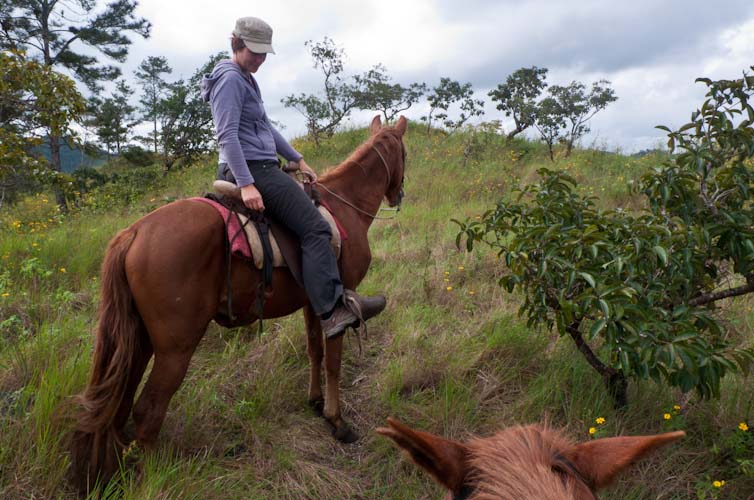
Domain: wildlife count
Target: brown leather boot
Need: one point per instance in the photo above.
(338, 322)
(352, 312)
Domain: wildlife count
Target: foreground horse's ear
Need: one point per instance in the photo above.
(602, 460)
(376, 125)
(444, 459)
(402, 125)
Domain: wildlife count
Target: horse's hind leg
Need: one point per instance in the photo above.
(167, 374)
(333, 356)
(315, 350)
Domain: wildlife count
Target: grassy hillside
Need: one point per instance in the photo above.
(449, 355)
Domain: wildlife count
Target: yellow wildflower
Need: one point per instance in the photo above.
(718, 484)
(62, 269)
(600, 420)
(743, 426)
(6, 294)
(667, 416)
(461, 268)
(676, 407)
(471, 292)
(592, 431)
(449, 288)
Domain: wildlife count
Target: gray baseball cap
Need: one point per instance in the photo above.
(255, 33)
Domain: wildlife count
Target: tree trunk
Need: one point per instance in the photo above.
(57, 167)
(155, 136)
(617, 386)
(615, 381)
(515, 132)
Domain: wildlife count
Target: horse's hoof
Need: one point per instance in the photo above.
(318, 405)
(345, 434)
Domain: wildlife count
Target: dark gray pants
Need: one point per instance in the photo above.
(285, 201)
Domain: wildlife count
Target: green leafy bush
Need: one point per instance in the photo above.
(647, 284)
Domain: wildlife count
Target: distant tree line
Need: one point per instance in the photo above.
(561, 117)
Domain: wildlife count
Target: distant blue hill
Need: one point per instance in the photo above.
(74, 158)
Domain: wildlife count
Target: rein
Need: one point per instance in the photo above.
(389, 179)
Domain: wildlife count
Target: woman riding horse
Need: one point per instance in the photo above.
(163, 282)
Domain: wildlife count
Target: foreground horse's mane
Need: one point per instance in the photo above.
(517, 463)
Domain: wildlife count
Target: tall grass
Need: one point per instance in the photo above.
(449, 355)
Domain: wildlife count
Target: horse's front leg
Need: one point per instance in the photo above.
(333, 353)
(315, 350)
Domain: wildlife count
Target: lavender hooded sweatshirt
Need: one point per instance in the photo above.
(243, 130)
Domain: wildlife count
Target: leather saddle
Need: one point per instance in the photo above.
(284, 245)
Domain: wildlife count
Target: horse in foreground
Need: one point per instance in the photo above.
(164, 279)
(523, 462)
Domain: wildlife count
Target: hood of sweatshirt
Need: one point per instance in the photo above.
(209, 81)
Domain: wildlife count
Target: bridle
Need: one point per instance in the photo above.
(389, 181)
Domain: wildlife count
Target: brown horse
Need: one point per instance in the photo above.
(164, 280)
(523, 462)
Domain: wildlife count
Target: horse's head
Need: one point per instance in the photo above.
(388, 142)
(523, 462)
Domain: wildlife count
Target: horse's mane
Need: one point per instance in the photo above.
(518, 463)
(358, 154)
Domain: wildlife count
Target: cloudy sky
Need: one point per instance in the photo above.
(651, 50)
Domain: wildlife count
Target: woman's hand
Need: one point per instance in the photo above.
(252, 198)
(307, 170)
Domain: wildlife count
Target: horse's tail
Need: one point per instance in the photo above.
(97, 440)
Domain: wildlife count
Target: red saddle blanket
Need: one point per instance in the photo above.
(239, 243)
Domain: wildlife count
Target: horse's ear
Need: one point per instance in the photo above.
(402, 125)
(376, 125)
(444, 459)
(602, 460)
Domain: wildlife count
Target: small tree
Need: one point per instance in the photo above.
(518, 96)
(112, 117)
(376, 92)
(578, 107)
(447, 93)
(33, 99)
(648, 285)
(549, 120)
(323, 115)
(153, 86)
(186, 120)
